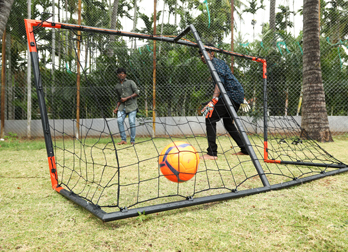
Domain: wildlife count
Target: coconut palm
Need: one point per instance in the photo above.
(272, 15)
(5, 8)
(336, 20)
(314, 115)
(253, 8)
(119, 9)
(283, 18)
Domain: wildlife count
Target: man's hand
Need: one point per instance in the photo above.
(207, 111)
(245, 106)
(115, 110)
(124, 99)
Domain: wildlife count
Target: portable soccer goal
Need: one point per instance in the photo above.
(75, 77)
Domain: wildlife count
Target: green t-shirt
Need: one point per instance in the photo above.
(126, 89)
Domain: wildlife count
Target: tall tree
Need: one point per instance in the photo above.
(335, 25)
(117, 10)
(314, 115)
(272, 15)
(5, 8)
(283, 18)
(253, 8)
(110, 51)
(114, 15)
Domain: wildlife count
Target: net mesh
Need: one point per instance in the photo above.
(85, 132)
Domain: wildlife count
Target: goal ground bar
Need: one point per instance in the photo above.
(127, 213)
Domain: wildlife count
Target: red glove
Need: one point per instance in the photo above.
(207, 111)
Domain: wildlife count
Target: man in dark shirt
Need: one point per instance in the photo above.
(215, 109)
(127, 92)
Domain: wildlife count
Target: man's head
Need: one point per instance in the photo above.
(209, 51)
(121, 73)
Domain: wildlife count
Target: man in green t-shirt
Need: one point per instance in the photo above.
(127, 93)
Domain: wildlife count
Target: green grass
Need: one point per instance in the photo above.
(309, 217)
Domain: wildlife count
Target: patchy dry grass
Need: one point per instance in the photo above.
(309, 217)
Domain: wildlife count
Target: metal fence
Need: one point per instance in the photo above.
(177, 68)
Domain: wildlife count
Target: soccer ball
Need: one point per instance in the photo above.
(179, 161)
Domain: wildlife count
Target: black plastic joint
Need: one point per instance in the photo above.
(53, 170)
(53, 24)
(32, 44)
(189, 198)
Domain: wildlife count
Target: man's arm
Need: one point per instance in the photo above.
(207, 111)
(116, 109)
(216, 91)
(129, 97)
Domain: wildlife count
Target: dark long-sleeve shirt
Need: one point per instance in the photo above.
(232, 86)
(126, 89)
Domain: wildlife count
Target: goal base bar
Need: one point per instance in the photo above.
(127, 213)
(306, 163)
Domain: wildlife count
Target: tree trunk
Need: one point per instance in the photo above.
(176, 5)
(10, 92)
(314, 115)
(113, 27)
(272, 15)
(3, 81)
(135, 24)
(114, 15)
(5, 9)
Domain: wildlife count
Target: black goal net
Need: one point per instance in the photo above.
(148, 158)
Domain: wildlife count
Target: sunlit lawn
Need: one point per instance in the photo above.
(312, 216)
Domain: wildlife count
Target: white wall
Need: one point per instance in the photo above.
(164, 126)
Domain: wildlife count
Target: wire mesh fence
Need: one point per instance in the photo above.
(180, 83)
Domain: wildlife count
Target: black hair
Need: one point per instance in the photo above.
(207, 49)
(210, 45)
(121, 70)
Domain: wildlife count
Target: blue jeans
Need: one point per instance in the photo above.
(121, 116)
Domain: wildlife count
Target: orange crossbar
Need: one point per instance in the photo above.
(29, 24)
(264, 64)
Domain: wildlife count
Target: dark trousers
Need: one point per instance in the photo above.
(220, 112)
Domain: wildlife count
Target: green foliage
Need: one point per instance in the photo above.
(283, 18)
(253, 8)
(13, 142)
(11, 136)
(334, 15)
(142, 217)
(282, 50)
(93, 13)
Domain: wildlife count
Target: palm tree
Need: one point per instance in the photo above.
(272, 15)
(172, 9)
(253, 9)
(5, 9)
(336, 20)
(314, 115)
(283, 18)
(114, 15)
(118, 5)
(135, 19)
(113, 26)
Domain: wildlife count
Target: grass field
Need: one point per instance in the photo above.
(33, 217)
